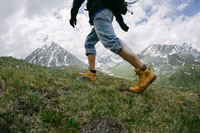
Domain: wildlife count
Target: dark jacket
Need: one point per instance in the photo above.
(92, 6)
(95, 5)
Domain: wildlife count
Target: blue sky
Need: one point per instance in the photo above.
(192, 8)
(187, 8)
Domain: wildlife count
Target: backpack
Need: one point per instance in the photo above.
(120, 6)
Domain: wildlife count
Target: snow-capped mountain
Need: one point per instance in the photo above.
(54, 56)
(162, 50)
(110, 60)
(174, 55)
(106, 61)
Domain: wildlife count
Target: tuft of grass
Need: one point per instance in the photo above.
(52, 117)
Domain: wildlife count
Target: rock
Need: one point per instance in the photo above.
(81, 78)
(104, 125)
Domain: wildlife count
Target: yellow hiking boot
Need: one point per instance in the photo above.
(90, 75)
(145, 79)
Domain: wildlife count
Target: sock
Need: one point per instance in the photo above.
(143, 68)
(93, 71)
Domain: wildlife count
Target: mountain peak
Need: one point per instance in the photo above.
(54, 56)
(53, 44)
(162, 50)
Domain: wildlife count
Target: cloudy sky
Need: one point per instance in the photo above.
(29, 24)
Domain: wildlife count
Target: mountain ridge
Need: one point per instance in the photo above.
(175, 55)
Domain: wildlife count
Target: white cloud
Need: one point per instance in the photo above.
(183, 6)
(26, 26)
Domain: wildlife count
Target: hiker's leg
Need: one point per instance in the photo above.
(90, 43)
(105, 32)
(91, 61)
(127, 54)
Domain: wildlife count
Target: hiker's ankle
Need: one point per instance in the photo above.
(143, 68)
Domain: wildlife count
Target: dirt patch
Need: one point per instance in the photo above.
(104, 125)
(123, 87)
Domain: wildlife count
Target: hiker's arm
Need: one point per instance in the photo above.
(74, 11)
(76, 5)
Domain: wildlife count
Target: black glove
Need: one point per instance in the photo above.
(124, 27)
(73, 22)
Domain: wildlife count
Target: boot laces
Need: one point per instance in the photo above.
(138, 78)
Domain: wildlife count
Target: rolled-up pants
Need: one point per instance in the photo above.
(103, 31)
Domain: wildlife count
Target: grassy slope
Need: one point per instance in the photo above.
(123, 71)
(38, 99)
(183, 77)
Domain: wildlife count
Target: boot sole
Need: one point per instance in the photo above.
(81, 74)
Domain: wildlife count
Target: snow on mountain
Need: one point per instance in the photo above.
(54, 56)
(174, 55)
(162, 50)
(108, 60)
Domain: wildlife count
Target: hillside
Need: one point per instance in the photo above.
(124, 71)
(186, 76)
(41, 99)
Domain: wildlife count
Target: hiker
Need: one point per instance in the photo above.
(101, 13)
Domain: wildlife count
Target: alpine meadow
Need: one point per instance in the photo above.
(41, 99)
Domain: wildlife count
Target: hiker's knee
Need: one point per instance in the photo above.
(89, 49)
(114, 45)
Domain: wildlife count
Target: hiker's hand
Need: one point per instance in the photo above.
(73, 22)
(124, 27)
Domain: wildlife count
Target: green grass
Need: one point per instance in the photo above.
(126, 71)
(183, 77)
(40, 99)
